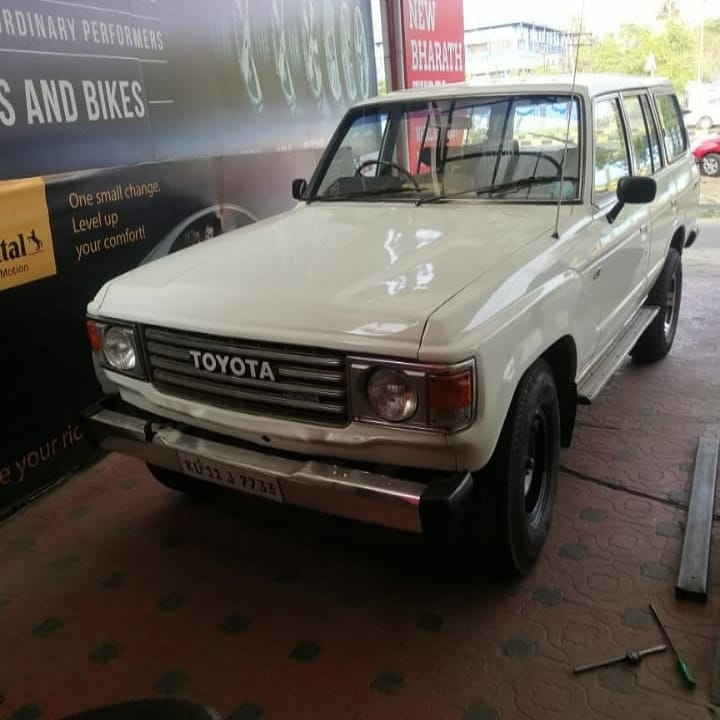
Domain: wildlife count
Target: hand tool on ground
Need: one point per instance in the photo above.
(631, 658)
(683, 669)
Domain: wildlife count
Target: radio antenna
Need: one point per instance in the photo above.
(556, 233)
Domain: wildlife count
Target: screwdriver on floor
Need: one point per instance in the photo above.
(683, 669)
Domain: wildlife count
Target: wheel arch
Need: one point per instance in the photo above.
(678, 241)
(561, 356)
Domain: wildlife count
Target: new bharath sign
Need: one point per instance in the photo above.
(434, 42)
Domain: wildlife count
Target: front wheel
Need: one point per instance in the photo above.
(515, 493)
(655, 343)
(711, 164)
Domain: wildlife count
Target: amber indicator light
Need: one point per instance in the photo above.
(94, 336)
(450, 392)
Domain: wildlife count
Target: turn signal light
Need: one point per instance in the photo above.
(94, 336)
(450, 399)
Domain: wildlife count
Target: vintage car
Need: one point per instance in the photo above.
(407, 346)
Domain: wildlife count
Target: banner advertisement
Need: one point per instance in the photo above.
(433, 42)
(115, 82)
(130, 129)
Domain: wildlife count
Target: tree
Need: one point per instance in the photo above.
(711, 51)
(673, 45)
(668, 10)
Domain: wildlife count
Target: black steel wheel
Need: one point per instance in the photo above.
(655, 343)
(515, 493)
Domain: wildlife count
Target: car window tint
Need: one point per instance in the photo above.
(639, 138)
(671, 122)
(360, 146)
(611, 154)
(654, 134)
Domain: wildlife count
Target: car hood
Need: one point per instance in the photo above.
(344, 275)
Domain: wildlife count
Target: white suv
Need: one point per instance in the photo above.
(408, 345)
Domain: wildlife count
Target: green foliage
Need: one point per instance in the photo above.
(673, 44)
(711, 51)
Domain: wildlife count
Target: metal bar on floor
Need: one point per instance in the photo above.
(693, 573)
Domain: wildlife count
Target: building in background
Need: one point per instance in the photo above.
(516, 48)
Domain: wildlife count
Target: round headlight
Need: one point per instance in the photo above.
(390, 395)
(119, 348)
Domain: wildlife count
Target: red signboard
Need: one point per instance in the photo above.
(434, 42)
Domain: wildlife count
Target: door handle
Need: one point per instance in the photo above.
(643, 229)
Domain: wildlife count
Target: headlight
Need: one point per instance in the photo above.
(118, 344)
(390, 395)
(427, 396)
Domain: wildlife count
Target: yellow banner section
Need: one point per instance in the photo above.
(26, 246)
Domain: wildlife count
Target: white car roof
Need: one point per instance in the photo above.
(587, 84)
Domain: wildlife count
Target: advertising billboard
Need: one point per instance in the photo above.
(130, 129)
(433, 42)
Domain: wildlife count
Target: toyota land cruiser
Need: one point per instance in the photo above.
(408, 345)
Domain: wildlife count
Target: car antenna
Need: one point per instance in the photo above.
(556, 233)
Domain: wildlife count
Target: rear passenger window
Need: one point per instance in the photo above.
(611, 154)
(671, 122)
(654, 136)
(639, 137)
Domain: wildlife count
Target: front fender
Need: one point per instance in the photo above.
(506, 331)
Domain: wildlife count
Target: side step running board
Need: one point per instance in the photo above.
(594, 381)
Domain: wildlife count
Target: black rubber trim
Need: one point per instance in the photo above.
(445, 503)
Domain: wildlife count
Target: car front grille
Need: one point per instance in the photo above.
(248, 376)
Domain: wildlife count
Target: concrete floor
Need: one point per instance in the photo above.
(114, 588)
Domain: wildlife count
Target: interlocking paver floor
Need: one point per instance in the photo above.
(113, 588)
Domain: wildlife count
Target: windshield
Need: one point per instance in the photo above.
(510, 147)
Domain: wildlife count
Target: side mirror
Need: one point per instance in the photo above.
(633, 191)
(299, 186)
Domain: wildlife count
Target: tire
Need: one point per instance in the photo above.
(711, 164)
(704, 123)
(655, 343)
(332, 56)
(346, 38)
(179, 482)
(310, 39)
(515, 493)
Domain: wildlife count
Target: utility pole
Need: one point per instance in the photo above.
(701, 44)
(576, 40)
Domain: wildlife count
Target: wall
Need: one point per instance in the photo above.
(130, 129)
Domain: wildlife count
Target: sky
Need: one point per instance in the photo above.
(600, 17)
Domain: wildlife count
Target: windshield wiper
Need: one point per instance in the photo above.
(520, 184)
(500, 187)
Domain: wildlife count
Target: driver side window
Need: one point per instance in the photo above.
(361, 144)
(610, 150)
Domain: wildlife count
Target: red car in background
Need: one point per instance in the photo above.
(707, 155)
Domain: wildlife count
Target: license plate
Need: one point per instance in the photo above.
(224, 474)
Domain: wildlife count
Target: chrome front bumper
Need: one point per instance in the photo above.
(435, 507)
